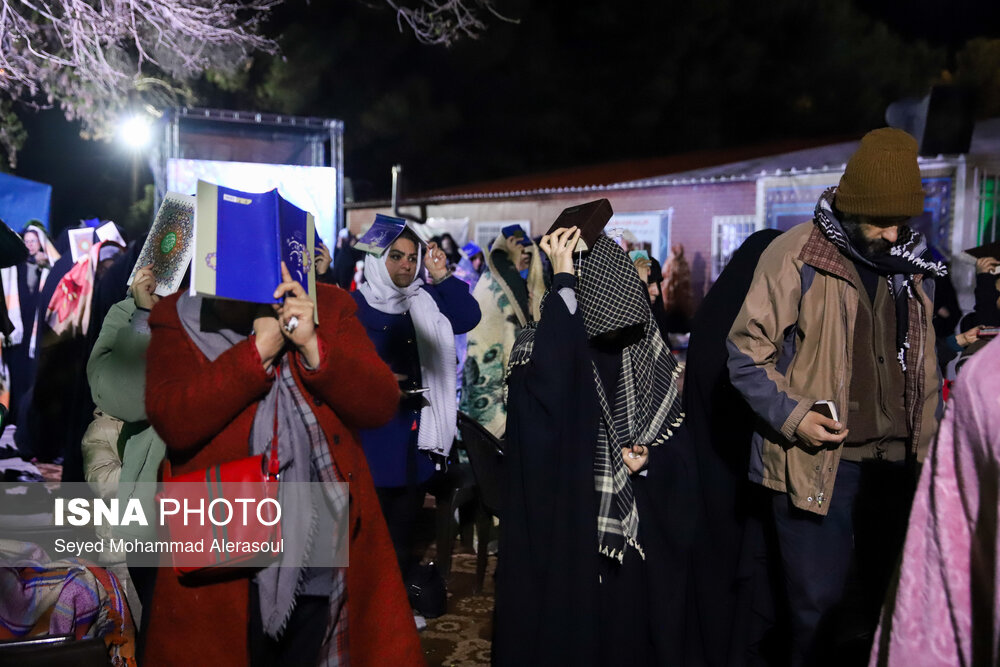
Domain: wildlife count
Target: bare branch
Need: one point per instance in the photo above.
(442, 22)
(97, 56)
(94, 58)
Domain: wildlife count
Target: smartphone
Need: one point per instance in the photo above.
(826, 408)
(987, 332)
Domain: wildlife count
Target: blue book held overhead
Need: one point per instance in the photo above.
(241, 238)
(383, 232)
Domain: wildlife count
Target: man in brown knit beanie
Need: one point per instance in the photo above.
(838, 319)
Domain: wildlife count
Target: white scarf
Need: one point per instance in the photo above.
(435, 347)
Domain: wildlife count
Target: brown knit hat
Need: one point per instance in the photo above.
(882, 179)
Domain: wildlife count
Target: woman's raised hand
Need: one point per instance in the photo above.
(436, 262)
(559, 246)
(144, 288)
(295, 315)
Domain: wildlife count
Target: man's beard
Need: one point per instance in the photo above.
(870, 249)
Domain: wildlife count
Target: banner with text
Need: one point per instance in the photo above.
(189, 526)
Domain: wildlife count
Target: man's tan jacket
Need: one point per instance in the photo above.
(792, 345)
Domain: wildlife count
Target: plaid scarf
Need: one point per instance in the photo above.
(304, 455)
(334, 649)
(646, 405)
(280, 584)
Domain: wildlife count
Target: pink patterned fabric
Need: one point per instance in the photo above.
(40, 597)
(946, 609)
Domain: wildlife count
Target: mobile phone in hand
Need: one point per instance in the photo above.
(988, 332)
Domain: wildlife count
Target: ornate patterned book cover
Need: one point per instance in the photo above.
(170, 243)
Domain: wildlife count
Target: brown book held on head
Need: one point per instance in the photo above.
(590, 218)
(986, 250)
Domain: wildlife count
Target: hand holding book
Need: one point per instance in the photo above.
(241, 240)
(296, 317)
(820, 427)
(559, 246)
(144, 288)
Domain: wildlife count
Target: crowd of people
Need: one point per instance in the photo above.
(773, 479)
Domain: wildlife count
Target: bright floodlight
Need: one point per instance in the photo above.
(134, 131)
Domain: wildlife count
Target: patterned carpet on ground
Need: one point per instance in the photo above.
(461, 638)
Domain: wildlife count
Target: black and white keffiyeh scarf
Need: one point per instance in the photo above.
(905, 259)
(645, 408)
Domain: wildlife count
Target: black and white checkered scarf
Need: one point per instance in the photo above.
(646, 406)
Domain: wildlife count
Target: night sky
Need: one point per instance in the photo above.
(571, 84)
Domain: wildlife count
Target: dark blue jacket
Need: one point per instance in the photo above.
(392, 449)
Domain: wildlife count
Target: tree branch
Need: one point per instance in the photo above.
(97, 57)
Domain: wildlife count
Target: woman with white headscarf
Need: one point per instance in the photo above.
(22, 286)
(413, 324)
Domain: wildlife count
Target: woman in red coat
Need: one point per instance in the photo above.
(211, 363)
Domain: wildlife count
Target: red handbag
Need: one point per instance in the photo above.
(232, 526)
